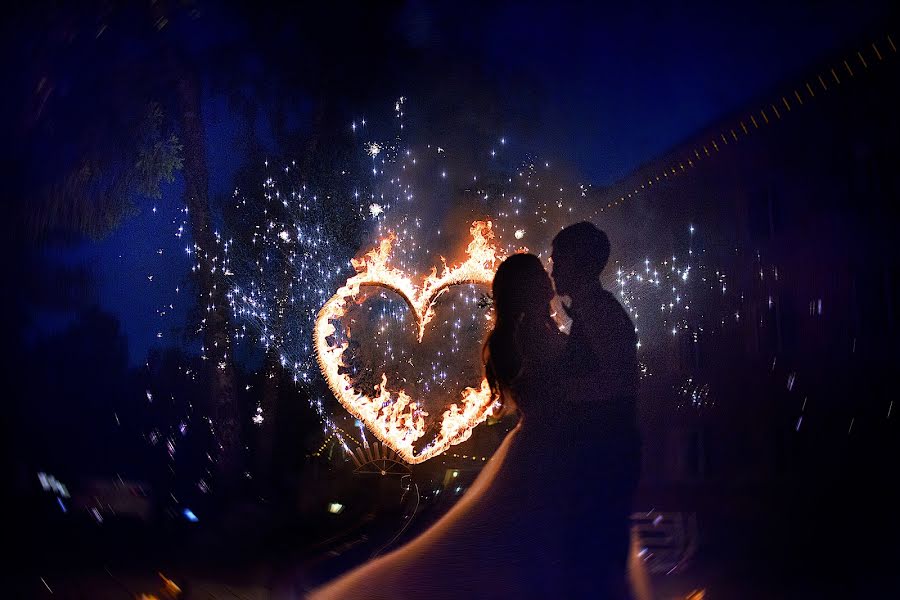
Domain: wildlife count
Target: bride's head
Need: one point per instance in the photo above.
(522, 293)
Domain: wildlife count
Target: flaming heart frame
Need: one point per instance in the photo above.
(393, 416)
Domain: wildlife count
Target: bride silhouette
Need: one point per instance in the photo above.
(502, 539)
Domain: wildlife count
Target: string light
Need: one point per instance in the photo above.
(739, 130)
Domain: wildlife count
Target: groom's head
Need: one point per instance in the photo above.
(580, 253)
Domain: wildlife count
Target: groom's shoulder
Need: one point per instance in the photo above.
(601, 307)
(614, 309)
(611, 303)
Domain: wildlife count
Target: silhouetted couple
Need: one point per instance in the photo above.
(548, 516)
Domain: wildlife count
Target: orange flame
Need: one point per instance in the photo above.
(393, 416)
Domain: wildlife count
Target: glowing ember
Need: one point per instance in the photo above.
(393, 416)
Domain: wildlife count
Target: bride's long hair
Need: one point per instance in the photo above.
(522, 293)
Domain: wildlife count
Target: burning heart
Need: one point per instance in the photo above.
(394, 417)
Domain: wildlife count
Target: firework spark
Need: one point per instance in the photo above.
(293, 290)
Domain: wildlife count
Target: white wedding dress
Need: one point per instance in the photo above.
(502, 539)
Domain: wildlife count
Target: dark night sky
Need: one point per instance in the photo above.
(614, 86)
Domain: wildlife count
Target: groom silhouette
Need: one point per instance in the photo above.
(601, 380)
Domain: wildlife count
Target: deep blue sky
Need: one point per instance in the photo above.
(621, 84)
(613, 87)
